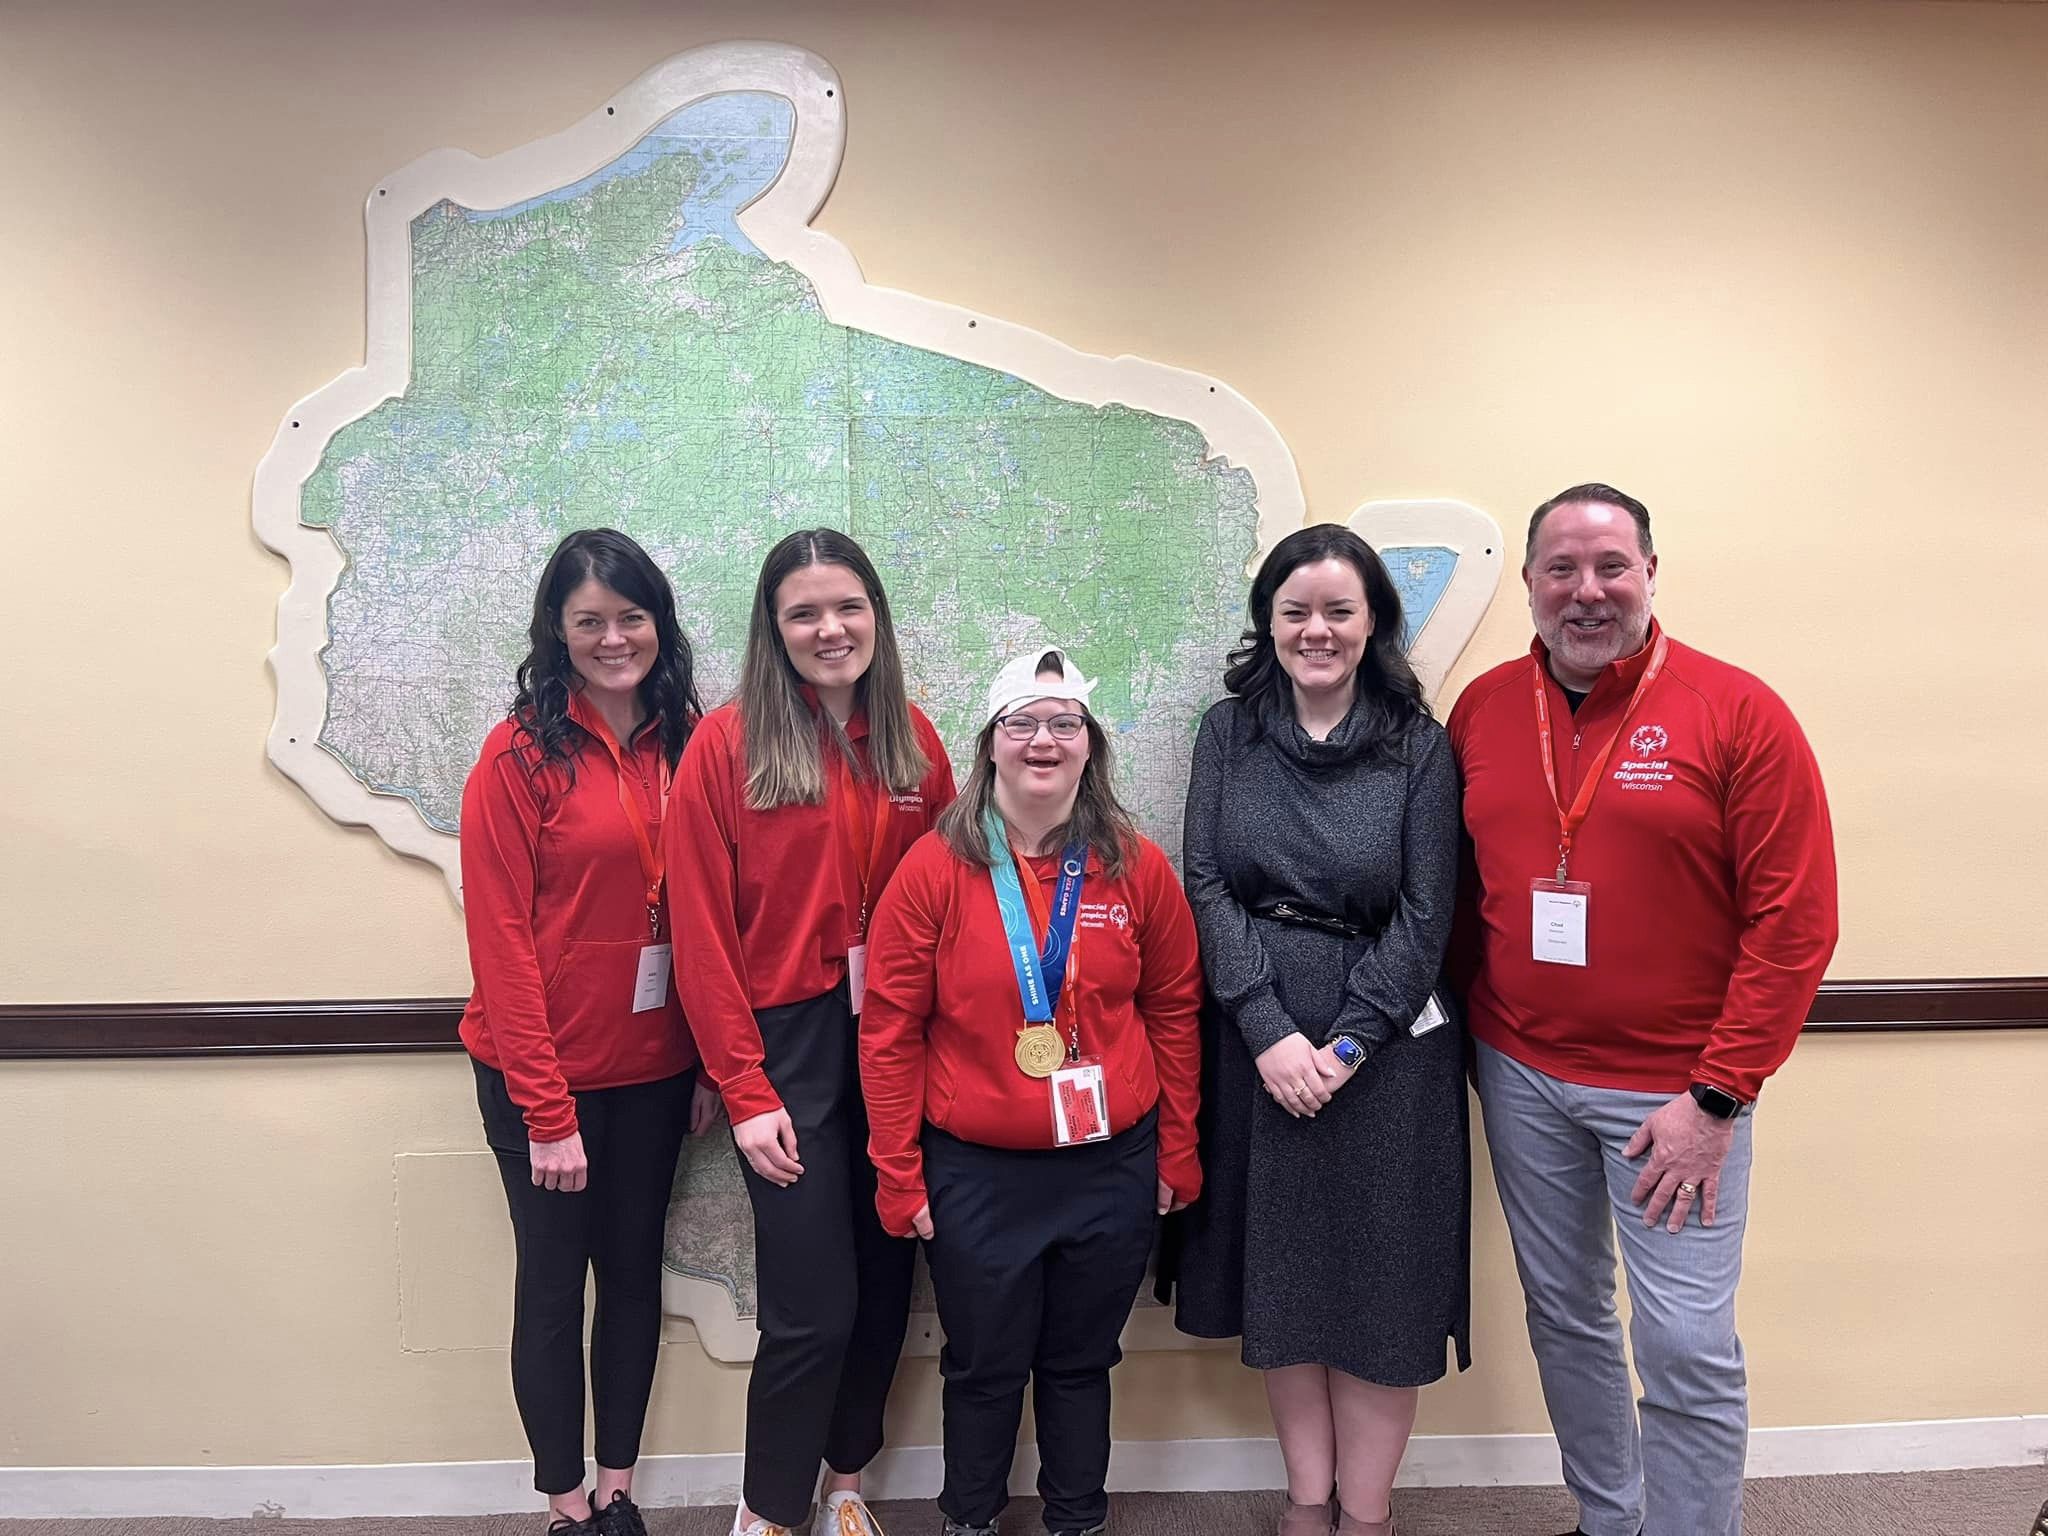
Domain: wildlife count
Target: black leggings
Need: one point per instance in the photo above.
(834, 1287)
(614, 1226)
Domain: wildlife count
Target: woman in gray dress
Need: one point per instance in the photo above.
(1321, 860)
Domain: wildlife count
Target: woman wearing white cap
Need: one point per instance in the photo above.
(1031, 1064)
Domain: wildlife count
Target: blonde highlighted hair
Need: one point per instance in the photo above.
(785, 741)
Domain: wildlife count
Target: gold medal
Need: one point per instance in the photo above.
(1039, 1051)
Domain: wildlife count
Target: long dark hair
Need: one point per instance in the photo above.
(1390, 694)
(785, 762)
(540, 710)
(1098, 818)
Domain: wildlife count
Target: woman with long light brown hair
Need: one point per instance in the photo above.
(791, 809)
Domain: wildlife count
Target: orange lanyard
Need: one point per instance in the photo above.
(865, 826)
(1569, 821)
(646, 836)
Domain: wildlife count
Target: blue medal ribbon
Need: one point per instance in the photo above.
(1040, 974)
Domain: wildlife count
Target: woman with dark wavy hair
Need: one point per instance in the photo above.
(792, 807)
(585, 1070)
(1321, 859)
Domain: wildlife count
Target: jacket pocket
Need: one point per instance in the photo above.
(590, 997)
(941, 1089)
(1135, 1066)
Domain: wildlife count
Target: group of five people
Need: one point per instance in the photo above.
(997, 1022)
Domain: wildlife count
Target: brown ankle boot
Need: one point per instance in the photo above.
(1305, 1520)
(1347, 1526)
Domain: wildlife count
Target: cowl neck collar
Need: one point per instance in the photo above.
(1345, 744)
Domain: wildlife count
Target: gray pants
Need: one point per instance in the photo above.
(1565, 1188)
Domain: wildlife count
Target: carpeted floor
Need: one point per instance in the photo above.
(1998, 1502)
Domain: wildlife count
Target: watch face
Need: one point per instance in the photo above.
(1348, 1051)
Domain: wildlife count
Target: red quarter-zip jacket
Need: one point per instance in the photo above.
(1712, 864)
(766, 903)
(555, 904)
(938, 1040)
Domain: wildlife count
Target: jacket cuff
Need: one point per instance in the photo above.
(552, 1121)
(1365, 1025)
(897, 1205)
(1263, 1022)
(748, 1095)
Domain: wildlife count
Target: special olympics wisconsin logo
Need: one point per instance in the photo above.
(1649, 740)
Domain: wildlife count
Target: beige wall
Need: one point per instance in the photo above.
(1778, 269)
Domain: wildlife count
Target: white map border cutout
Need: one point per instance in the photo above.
(778, 222)
(1469, 534)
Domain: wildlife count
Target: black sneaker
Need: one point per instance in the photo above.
(562, 1525)
(2040, 1527)
(955, 1528)
(1093, 1530)
(621, 1517)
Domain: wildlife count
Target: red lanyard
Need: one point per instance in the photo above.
(646, 835)
(864, 826)
(1569, 821)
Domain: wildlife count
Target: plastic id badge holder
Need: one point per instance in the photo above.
(1080, 1103)
(1558, 911)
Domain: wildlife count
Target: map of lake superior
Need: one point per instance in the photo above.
(618, 352)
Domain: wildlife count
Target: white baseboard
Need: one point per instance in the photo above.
(913, 1472)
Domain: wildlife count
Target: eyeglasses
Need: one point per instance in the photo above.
(1025, 727)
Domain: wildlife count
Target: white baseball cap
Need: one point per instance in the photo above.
(1019, 681)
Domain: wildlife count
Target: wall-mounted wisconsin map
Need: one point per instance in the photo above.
(633, 324)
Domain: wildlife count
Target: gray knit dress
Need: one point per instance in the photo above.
(1341, 1240)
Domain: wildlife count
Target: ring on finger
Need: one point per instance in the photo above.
(1688, 1189)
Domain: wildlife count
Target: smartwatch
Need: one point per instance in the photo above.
(1348, 1051)
(1721, 1105)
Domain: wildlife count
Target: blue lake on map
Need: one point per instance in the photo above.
(1422, 574)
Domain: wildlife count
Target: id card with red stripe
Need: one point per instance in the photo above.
(1080, 1103)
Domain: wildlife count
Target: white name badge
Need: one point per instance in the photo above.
(1431, 1017)
(1557, 920)
(650, 980)
(857, 975)
(1080, 1104)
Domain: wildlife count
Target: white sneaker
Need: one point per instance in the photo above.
(845, 1514)
(756, 1526)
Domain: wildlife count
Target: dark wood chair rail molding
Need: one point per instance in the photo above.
(59, 1031)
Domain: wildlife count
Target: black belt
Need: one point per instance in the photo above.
(1301, 917)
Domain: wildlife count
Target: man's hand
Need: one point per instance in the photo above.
(1687, 1147)
(559, 1165)
(768, 1143)
(1297, 1076)
(921, 1223)
(1167, 1202)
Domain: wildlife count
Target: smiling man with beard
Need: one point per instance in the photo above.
(1651, 910)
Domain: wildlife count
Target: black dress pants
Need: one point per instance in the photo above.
(613, 1227)
(1036, 1258)
(834, 1288)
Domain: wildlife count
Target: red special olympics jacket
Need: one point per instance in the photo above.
(939, 1036)
(1711, 862)
(556, 907)
(766, 903)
